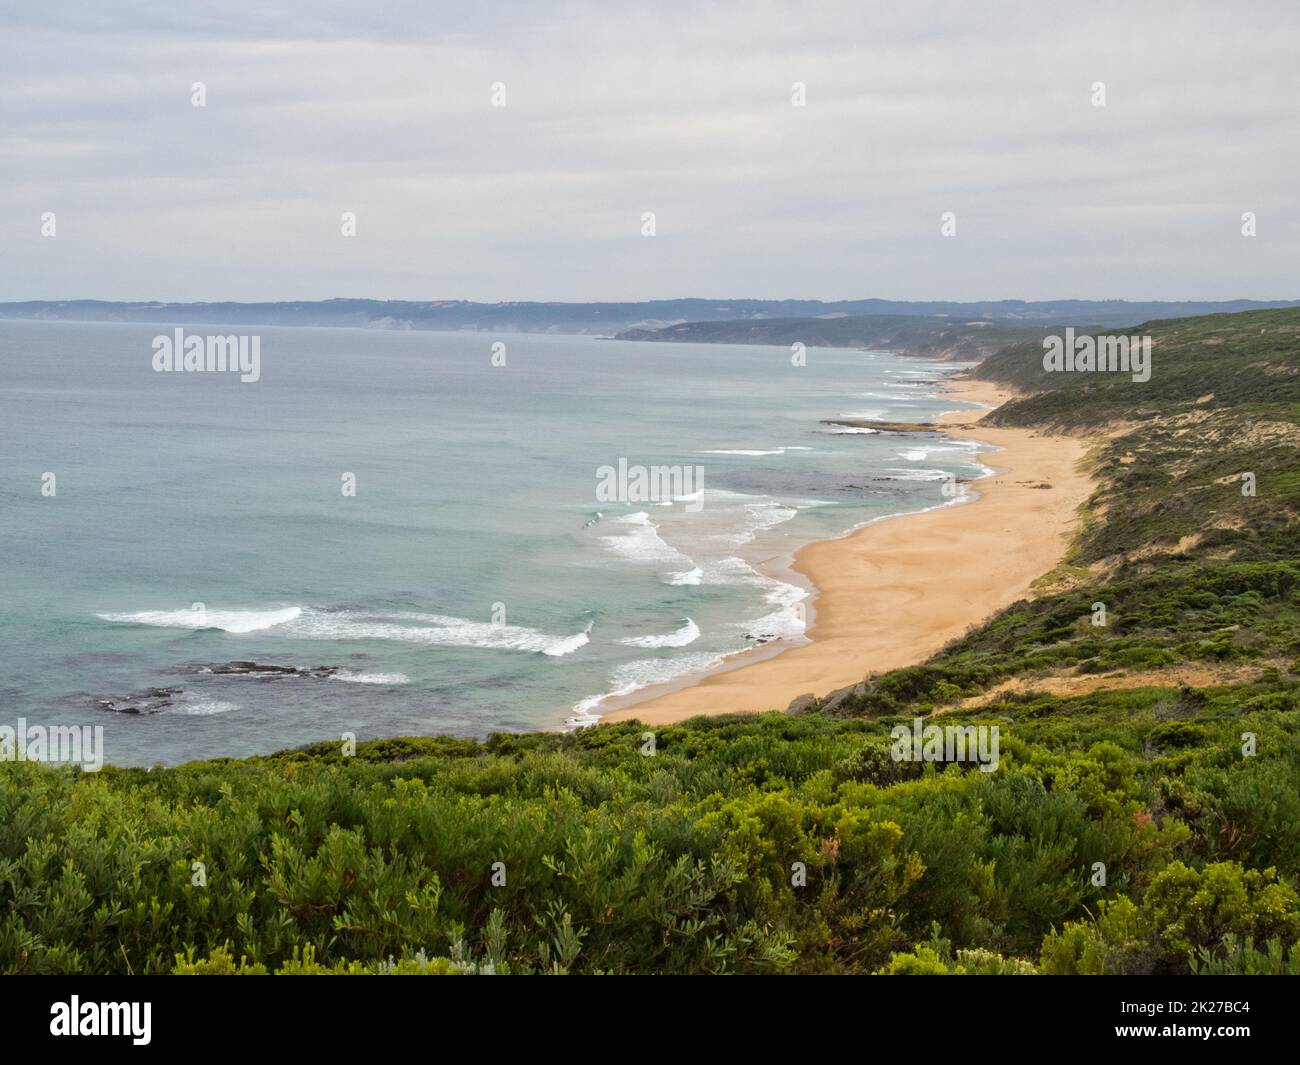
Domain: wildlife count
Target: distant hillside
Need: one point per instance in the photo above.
(1247, 362)
(611, 318)
(935, 337)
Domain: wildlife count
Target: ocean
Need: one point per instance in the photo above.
(412, 524)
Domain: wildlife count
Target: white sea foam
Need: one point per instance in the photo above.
(686, 577)
(734, 518)
(639, 541)
(642, 673)
(744, 451)
(760, 517)
(786, 620)
(729, 570)
(783, 620)
(569, 644)
(407, 627)
(920, 454)
(923, 474)
(435, 629)
(228, 620)
(200, 707)
(900, 392)
(851, 430)
(689, 632)
(370, 678)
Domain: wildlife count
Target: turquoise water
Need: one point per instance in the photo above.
(474, 581)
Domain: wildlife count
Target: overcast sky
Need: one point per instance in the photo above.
(615, 109)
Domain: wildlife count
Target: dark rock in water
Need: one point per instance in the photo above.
(258, 669)
(887, 427)
(153, 700)
(150, 701)
(763, 638)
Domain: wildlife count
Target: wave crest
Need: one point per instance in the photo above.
(688, 633)
(226, 620)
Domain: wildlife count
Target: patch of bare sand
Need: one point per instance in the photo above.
(1066, 685)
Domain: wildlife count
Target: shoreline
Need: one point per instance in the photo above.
(895, 590)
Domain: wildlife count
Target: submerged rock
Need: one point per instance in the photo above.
(150, 701)
(260, 669)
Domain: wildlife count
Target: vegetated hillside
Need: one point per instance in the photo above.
(1192, 540)
(1248, 362)
(1144, 816)
(1223, 401)
(932, 337)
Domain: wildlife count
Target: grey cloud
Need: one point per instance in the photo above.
(682, 109)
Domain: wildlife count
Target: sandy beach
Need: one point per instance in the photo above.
(894, 592)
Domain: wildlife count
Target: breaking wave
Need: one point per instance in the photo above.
(688, 633)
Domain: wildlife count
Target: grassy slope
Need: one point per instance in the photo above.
(617, 860)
